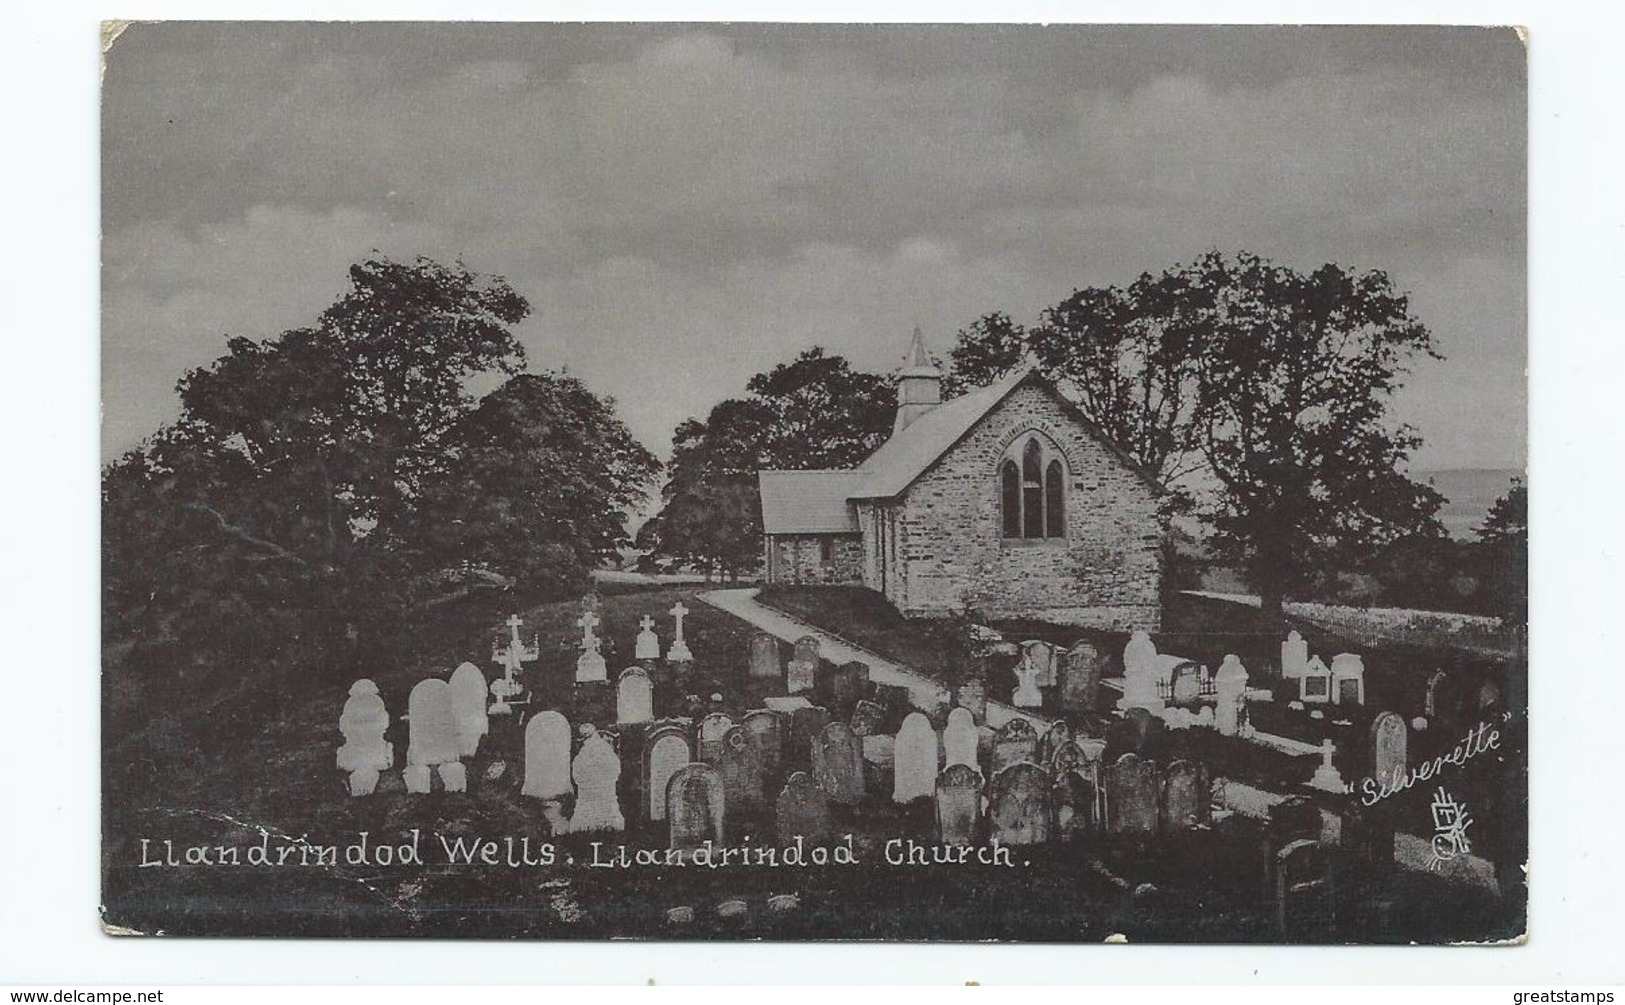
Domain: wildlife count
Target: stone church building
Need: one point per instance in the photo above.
(1005, 499)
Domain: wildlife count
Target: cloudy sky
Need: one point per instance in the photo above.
(685, 206)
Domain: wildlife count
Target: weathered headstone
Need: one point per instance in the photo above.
(741, 770)
(766, 732)
(1229, 696)
(805, 726)
(467, 689)
(1042, 656)
(1072, 801)
(837, 758)
(867, 717)
(432, 730)
(712, 729)
(1303, 889)
(1080, 672)
(1014, 742)
(1434, 704)
(764, 657)
(802, 810)
(596, 771)
(695, 806)
(959, 738)
(803, 666)
(1185, 686)
(547, 756)
(1019, 805)
(959, 804)
(590, 664)
(1348, 679)
(1058, 736)
(1132, 796)
(634, 696)
(1140, 674)
(665, 751)
(1389, 740)
(838, 688)
(914, 760)
(648, 643)
(1294, 656)
(1186, 797)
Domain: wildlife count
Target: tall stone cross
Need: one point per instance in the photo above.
(678, 653)
(515, 656)
(588, 621)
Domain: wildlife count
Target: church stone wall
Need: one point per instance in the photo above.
(1107, 571)
(798, 558)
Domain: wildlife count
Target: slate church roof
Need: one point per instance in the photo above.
(820, 502)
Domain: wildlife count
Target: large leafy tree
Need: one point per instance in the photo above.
(301, 496)
(1503, 546)
(814, 412)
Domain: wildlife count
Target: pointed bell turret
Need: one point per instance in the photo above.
(919, 384)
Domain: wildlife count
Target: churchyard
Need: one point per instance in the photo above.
(581, 769)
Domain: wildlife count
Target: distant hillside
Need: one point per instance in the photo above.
(1468, 492)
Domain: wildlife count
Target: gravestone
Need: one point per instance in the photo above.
(712, 729)
(1230, 696)
(1489, 698)
(1132, 796)
(959, 738)
(972, 696)
(1186, 797)
(1348, 679)
(914, 760)
(802, 810)
(679, 652)
(867, 718)
(634, 697)
(1433, 704)
(1140, 674)
(1315, 686)
(590, 664)
(1185, 686)
(547, 756)
(467, 689)
(1294, 656)
(1014, 742)
(1072, 800)
(1019, 805)
(764, 657)
(596, 771)
(803, 666)
(665, 751)
(805, 726)
(695, 806)
(1388, 748)
(1026, 693)
(766, 732)
(741, 770)
(839, 688)
(837, 759)
(1042, 656)
(1303, 889)
(362, 723)
(1080, 671)
(431, 732)
(959, 805)
(648, 643)
(1058, 736)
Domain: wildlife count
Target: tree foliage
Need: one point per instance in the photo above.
(813, 412)
(320, 483)
(1262, 391)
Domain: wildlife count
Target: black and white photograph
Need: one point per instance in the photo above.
(946, 483)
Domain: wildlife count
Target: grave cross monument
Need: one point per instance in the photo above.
(513, 660)
(678, 653)
(648, 647)
(590, 664)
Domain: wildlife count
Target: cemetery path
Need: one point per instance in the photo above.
(924, 692)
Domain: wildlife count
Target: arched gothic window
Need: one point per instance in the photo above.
(1032, 493)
